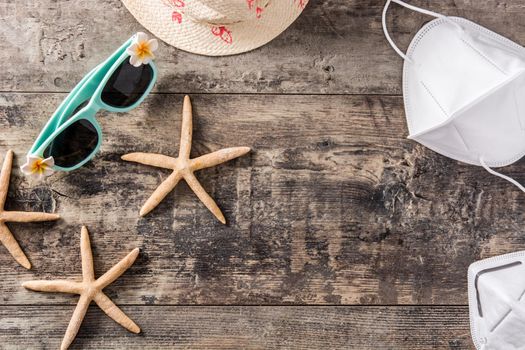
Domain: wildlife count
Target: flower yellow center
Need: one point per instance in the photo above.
(143, 49)
(39, 166)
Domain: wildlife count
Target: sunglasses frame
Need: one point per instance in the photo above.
(89, 90)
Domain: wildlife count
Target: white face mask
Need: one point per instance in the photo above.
(464, 91)
(496, 289)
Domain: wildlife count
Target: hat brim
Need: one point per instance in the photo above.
(209, 40)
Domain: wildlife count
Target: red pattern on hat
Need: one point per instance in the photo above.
(224, 33)
(258, 9)
(301, 3)
(176, 17)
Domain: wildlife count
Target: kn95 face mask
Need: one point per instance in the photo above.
(464, 91)
(496, 289)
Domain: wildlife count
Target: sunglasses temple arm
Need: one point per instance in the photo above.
(58, 117)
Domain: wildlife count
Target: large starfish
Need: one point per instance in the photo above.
(183, 167)
(90, 289)
(6, 237)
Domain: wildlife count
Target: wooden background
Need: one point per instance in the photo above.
(341, 233)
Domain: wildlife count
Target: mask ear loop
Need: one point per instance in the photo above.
(504, 177)
(413, 8)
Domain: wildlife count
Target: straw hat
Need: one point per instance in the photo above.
(216, 27)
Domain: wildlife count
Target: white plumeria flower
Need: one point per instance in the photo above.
(37, 167)
(141, 51)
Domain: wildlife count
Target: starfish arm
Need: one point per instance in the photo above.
(56, 286)
(9, 241)
(153, 159)
(218, 157)
(24, 216)
(88, 273)
(5, 174)
(116, 271)
(203, 196)
(76, 321)
(186, 129)
(160, 193)
(113, 311)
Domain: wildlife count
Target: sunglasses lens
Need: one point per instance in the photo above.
(74, 144)
(127, 85)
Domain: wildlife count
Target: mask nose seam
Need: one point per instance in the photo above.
(446, 115)
(427, 89)
(476, 50)
(519, 109)
(460, 136)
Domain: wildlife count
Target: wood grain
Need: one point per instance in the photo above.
(336, 46)
(234, 327)
(333, 206)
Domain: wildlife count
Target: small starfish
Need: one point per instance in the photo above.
(183, 167)
(89, 290)
(6, 237)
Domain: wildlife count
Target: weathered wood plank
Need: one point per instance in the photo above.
(336, 46)
(169, 327)
(332, 206)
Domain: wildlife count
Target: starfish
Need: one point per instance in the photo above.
(90, 289)
(183, 167)
(6, 237)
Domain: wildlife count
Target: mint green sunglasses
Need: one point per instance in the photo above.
(73, 136)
